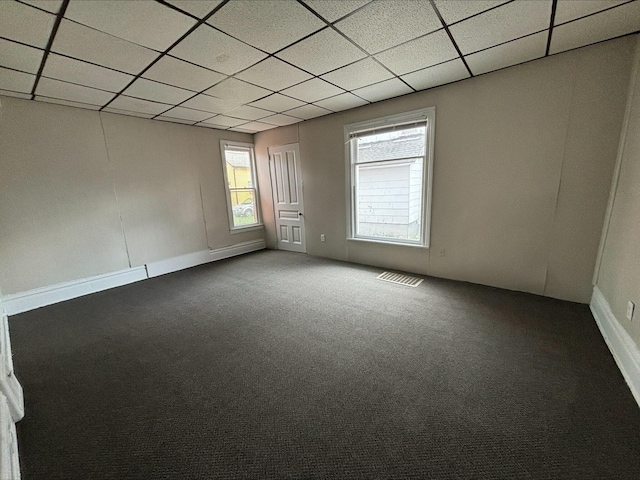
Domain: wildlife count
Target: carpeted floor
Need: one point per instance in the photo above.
(280, 365)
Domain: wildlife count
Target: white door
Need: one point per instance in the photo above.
(286, 185)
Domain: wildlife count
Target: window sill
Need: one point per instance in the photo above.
(386, 242)
(250, 228)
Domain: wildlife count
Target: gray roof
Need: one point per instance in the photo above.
(412, 145)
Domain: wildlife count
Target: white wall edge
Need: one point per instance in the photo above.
(624, 350)
(198, 258)
(41, 297)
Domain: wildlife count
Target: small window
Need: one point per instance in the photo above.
(240, 181)
(390, 163)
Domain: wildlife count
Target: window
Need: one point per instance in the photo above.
(242, 193)
(390, 168)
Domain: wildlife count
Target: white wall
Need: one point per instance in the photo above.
(522, 169)
(84, 193)
(619, 274)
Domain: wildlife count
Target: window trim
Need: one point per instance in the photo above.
(258, 211)
(427, 115)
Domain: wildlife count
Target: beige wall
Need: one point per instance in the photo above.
(522, 170)
(68, 176)
(619, 274)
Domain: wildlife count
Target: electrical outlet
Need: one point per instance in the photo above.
(630, 308)
(442, 252)
(323, 238)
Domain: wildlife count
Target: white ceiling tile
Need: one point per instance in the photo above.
(182, 74)
(198, 8)
(211, 104)
(67, 103)
(127, 112)
(16, 81)
(602, 26)
(382, 25)
(157, 92)
(188, 114)
(323, 51)
(513, 20)
(93, 46)
(237, 90)
(344, 101)
(52, 6)
(82, 73)
(225, 122)
(20, 57)
(277, 103)
(507, 54)
(359, 74)
(217, 51)
(308, 111)
(164, 118)
(268, 24)
(383, 90)
(420, 53)
(313, 90)
(274, 74)
(8, 93)
(25, 24)
(332, 10)
(149, 24)
(438, 75)
(249, 113)
(122, 102)
(257, 126)
(568, 10)
(455, 10)
(280, 120)
(48, 87)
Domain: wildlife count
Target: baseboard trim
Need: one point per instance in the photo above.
(174, 264)
(41, 297)
(623, 348)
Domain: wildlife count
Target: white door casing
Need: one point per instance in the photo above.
(286, 187)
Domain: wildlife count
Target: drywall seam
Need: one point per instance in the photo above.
(555, 211)
(204, 217)
(616, 172)
(115, 192)
(624, 350)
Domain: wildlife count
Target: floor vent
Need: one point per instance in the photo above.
(400, 279)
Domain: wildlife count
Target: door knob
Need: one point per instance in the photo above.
(300, 213)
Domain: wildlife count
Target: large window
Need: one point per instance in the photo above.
(390, 164)
(240, 180)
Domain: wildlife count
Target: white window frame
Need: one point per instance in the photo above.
(229, 145)
(427, 115)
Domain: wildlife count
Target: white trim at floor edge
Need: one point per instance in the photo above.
(624, 350)
(189, 260)
(41, 297)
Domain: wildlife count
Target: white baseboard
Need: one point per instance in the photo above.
(624, 349)
(174, 264)
(41, 297)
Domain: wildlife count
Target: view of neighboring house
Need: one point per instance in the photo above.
(389, 171)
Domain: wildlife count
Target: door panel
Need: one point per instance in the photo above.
(286, 184)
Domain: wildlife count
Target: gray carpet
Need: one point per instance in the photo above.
(279, 365)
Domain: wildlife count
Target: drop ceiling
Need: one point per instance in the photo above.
(253, 65)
